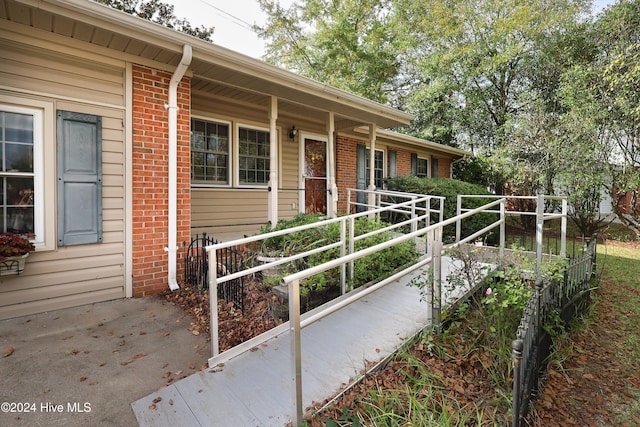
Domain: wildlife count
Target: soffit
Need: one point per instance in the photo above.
(216, 69)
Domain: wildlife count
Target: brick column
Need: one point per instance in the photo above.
(150, 178)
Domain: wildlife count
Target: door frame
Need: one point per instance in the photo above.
(302, 208)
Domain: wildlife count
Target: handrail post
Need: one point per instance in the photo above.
(539, 229)
(343, 252)
(436, 294)
(458, 222)
(516, 357)
(563, 229)
(503, 227)
(213, 302)
(352, 227)
(296, 356)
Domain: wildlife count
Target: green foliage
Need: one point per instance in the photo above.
(347, 44)
(373, 267)
(449, 188)
(160, 13)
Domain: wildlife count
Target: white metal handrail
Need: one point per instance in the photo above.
(292, 281)
(345, 244)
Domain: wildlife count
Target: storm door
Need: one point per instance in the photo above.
(315, 176)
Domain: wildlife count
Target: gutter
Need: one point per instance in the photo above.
(172, 219)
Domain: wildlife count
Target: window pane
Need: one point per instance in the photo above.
(19, 157)
(18, 127)
(253, 161)
(16, 156)
(17, 202)
(209, 152)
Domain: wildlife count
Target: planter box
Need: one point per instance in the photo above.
(13, 265)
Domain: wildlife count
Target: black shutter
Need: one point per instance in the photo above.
(79, 178)
(414, 164)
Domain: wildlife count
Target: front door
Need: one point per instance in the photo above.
(315, 175)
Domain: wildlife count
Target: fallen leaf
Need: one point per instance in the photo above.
(177, 373)
(196, 333)
(143, 333)
(67, 338)
(8, 352)
(166, 374)
(83, 379)
(157, 399)
(153, 407)
(139, 355)
(171, 402)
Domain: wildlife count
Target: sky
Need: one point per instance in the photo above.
(233, 20)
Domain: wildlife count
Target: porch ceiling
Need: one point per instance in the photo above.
(221, 71)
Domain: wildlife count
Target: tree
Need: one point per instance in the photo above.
(347, 43)
(479, 55)
(160, 13)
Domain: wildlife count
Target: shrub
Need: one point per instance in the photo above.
(450, 188)
(373, 267)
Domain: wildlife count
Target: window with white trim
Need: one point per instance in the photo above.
(210, 152)
(253, 156)
(423, 168)
(20, 141)
(378, 168)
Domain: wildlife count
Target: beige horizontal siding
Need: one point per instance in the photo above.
(72, 275)
(38, 70)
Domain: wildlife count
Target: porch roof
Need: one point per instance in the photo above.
(214, 68)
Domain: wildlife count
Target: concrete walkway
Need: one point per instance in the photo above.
(83, 366)
(255, 388)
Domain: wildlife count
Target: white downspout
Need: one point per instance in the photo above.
(172, 106)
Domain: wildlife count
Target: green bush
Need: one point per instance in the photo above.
(450, 188)
(373, 267)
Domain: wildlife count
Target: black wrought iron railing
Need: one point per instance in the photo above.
(229, 260)
(566, 298)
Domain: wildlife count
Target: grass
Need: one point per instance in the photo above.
(621, 265)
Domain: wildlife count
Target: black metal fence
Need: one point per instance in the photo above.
(567, 299)
(229, 260)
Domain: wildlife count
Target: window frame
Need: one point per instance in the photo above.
(43, 162)
(231, 154)
(382, 168)
(426, 162)
(236, 172)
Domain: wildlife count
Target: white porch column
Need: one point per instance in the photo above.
(272, 204)
(332, 197)
(371, 199)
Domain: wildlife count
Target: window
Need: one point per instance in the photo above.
(378, 168)
(253, 156)
(423, 168)
(209, 152)
(19, 140)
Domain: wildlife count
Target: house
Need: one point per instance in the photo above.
(127, 138)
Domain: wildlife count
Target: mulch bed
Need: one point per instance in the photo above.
(234, 326)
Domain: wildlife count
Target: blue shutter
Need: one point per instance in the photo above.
(393, 164)
(361, 175)
(79, 178)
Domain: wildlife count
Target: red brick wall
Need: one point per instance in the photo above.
(150, 178)
(345, 168)
(403, 159)
(444, 168)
